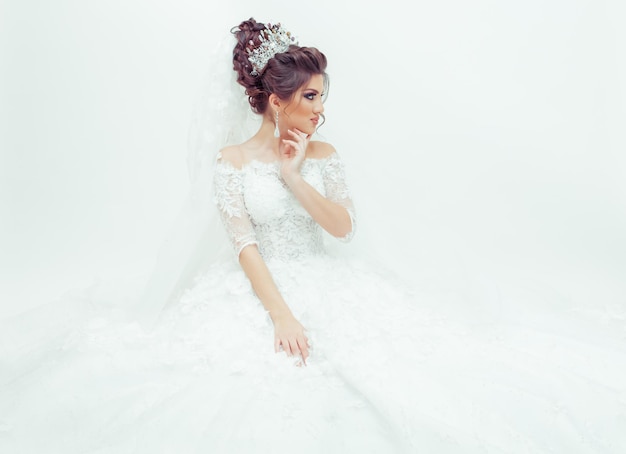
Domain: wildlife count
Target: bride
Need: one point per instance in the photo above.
(290, 348)
(302, 180)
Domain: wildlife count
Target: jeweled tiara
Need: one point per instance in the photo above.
(274, 40)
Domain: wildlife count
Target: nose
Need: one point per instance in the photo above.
(318, 108)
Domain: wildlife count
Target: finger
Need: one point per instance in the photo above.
(291, 143)
(293, 347)
(288, 145)
(304, 349)
(306, 137)
(301, 137)
(285, 347)
(295, 132)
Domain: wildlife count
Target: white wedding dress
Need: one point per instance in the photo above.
(387, 372)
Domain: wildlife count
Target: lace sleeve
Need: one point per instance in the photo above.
(337, 189)
(228, 193)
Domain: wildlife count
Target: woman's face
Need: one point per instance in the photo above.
(303, 112)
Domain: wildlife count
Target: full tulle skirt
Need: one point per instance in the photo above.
(389, 372)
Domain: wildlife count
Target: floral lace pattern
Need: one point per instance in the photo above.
(257, 207)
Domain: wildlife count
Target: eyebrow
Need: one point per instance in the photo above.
(311, 89)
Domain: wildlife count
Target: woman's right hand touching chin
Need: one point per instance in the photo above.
(289, 334)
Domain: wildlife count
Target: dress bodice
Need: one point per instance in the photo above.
(257, 206)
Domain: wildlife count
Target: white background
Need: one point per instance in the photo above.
(497, 129)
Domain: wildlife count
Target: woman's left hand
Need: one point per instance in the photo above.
(292, 154)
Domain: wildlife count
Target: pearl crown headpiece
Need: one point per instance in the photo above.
(274, 40)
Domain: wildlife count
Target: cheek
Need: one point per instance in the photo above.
(296, 117)
(303, 111)
(300, 115)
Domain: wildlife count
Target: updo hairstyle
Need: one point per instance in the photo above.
(283, 75)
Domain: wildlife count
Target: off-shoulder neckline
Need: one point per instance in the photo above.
(257, 163)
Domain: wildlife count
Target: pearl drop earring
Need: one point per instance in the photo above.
(276, 130)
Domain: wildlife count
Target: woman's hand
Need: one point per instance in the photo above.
(289, 334)
(292, 154)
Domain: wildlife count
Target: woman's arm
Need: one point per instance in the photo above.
(331, 216)
(288, 332)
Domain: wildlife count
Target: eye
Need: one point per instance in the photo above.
(310, 96)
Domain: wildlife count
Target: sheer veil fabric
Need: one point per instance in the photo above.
(221, 117)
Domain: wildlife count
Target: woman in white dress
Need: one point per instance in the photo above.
(292, 349)
(286, 88)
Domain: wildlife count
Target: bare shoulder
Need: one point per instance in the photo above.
(319, 150)
(233, 155)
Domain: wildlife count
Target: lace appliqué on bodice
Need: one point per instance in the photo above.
(257, 207)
